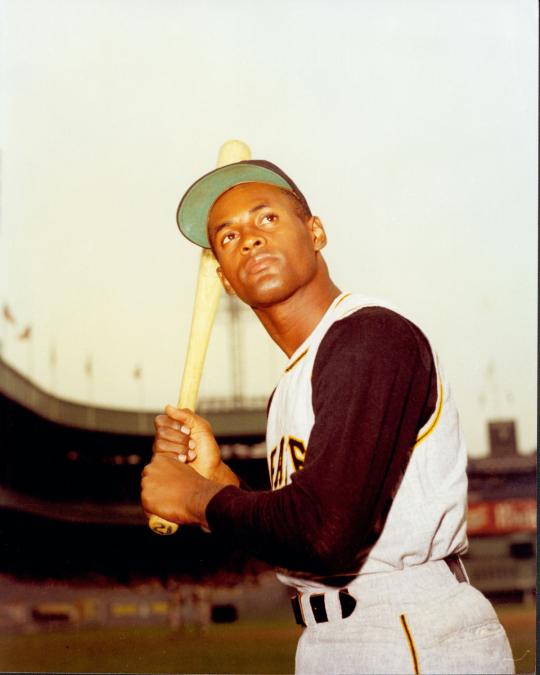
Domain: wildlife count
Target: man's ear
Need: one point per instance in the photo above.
(318, 233)
(226, 285)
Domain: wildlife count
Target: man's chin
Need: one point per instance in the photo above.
(264, 299)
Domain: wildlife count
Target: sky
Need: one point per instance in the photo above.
(410, 127)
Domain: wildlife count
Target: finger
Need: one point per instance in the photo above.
(173, 435)
(182, 454)
(167, 422)
(186, 457)
(163, 446)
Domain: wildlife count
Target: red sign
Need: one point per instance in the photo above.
(502, 516)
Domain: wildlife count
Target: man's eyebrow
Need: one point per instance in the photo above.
(229, 222)
(220, 227)
(258, 208)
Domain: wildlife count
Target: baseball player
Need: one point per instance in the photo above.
(366, 516)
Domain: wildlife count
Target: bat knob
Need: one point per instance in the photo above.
(161, 526)
(233, 151)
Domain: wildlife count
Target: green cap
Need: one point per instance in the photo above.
(193, 210)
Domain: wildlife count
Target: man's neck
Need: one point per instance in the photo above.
(292, 321)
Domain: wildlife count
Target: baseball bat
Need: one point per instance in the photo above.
(204, 311)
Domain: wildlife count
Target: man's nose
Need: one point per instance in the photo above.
(252, 241)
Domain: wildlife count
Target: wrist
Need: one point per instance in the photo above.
(201, 499)
(223, 475)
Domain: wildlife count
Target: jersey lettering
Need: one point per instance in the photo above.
(279, 471)
(272, 464)
(298, 452)
(280, 468)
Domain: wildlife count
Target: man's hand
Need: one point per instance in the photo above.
(176, 492)
(187, 437)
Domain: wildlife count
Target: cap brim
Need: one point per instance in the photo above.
(192, 213)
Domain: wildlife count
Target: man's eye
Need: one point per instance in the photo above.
(227, 238)
(269, 218)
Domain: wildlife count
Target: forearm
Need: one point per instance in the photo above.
(307, 526)
(276, 527)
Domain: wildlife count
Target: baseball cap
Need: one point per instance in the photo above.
(195, 205)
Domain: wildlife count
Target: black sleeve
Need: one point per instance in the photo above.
(374, 387)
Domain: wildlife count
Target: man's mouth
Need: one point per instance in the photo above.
(258, 263)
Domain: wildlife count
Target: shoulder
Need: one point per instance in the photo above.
(374, 331)
(369, 323)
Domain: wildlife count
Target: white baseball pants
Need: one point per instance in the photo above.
(419, 620)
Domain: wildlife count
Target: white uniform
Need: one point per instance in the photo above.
(404, 571)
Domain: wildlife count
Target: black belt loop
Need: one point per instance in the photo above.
(456, 567)
(318, 607)
(297, 610)
(347, 602)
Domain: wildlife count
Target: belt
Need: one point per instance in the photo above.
(318, 606)
(348, 603)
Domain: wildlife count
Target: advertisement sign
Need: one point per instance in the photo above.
(501, 516)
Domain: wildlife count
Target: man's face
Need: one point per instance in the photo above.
(265, 250)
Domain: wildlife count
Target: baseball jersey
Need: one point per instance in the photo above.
(426, 519)
(365, 456)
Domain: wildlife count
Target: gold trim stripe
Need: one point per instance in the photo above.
(435, 419)
(411, 644)
(342, 298)
(299, 358)
(296, 360)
